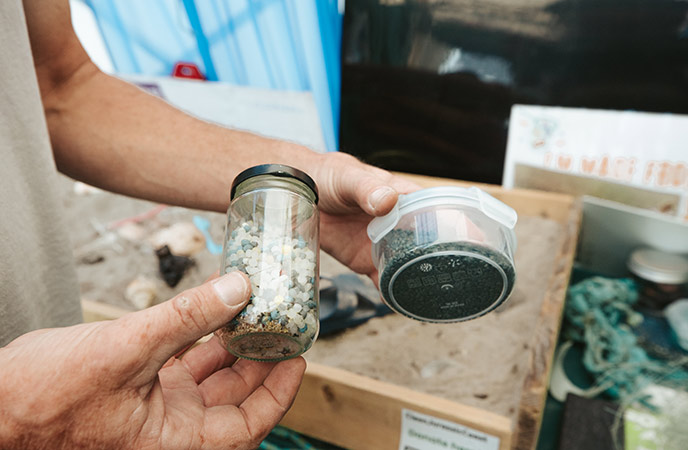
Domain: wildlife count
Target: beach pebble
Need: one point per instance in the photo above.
(141, 292)
(182, 238)
(132, 231)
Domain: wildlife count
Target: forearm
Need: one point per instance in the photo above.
(113, 135)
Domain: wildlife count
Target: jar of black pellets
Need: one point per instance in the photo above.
(272, 236)
(445, 254)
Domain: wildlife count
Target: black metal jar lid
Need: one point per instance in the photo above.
(277, 170)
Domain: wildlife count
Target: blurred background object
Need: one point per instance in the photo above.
(285, 45)
(428, 85)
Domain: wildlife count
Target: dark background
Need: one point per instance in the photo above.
(427, 86)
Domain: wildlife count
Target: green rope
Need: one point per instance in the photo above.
(599, 315)
(281, 438)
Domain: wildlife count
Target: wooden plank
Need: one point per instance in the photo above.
(527, 202)
(358, 412)
(543, 343)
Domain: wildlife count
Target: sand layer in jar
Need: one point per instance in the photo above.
(270, 342)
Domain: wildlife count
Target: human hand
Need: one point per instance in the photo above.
(118, 385)
(351, 192)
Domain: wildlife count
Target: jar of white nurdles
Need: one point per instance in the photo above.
(272, 236)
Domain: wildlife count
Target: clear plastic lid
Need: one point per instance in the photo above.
(441, 196)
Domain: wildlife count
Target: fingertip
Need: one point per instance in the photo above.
(285, 380)
(295, 366)
(232, 288)
(382, 200)
(290, 369)
(300, 364)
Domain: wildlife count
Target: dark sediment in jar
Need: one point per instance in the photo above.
(463, 280)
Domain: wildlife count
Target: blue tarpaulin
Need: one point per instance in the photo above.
(276, 44)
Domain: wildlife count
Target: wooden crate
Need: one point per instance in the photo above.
(358, 412)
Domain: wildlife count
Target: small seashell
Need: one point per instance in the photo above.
(132, 232)
(182, 238)
(141, 292)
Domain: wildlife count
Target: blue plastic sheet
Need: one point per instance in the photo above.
(276, 44)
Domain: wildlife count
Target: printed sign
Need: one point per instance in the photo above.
(631, 169)
(424, 432)
(638, 159)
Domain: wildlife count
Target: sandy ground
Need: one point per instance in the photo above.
(480, 362)
(124, 260)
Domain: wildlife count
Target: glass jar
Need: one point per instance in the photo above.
(445, 254)
(272, 236)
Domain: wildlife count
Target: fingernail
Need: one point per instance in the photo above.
(231, 288)
(379, 195)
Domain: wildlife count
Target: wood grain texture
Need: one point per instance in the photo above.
(544, 341)
(358, 412)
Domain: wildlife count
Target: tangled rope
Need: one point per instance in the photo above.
(599, 315)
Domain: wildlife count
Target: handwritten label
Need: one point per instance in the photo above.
(424, 432)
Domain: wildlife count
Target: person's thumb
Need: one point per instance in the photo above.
(378, 195)
(194, 313)
(373, 194)
(372, 189)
